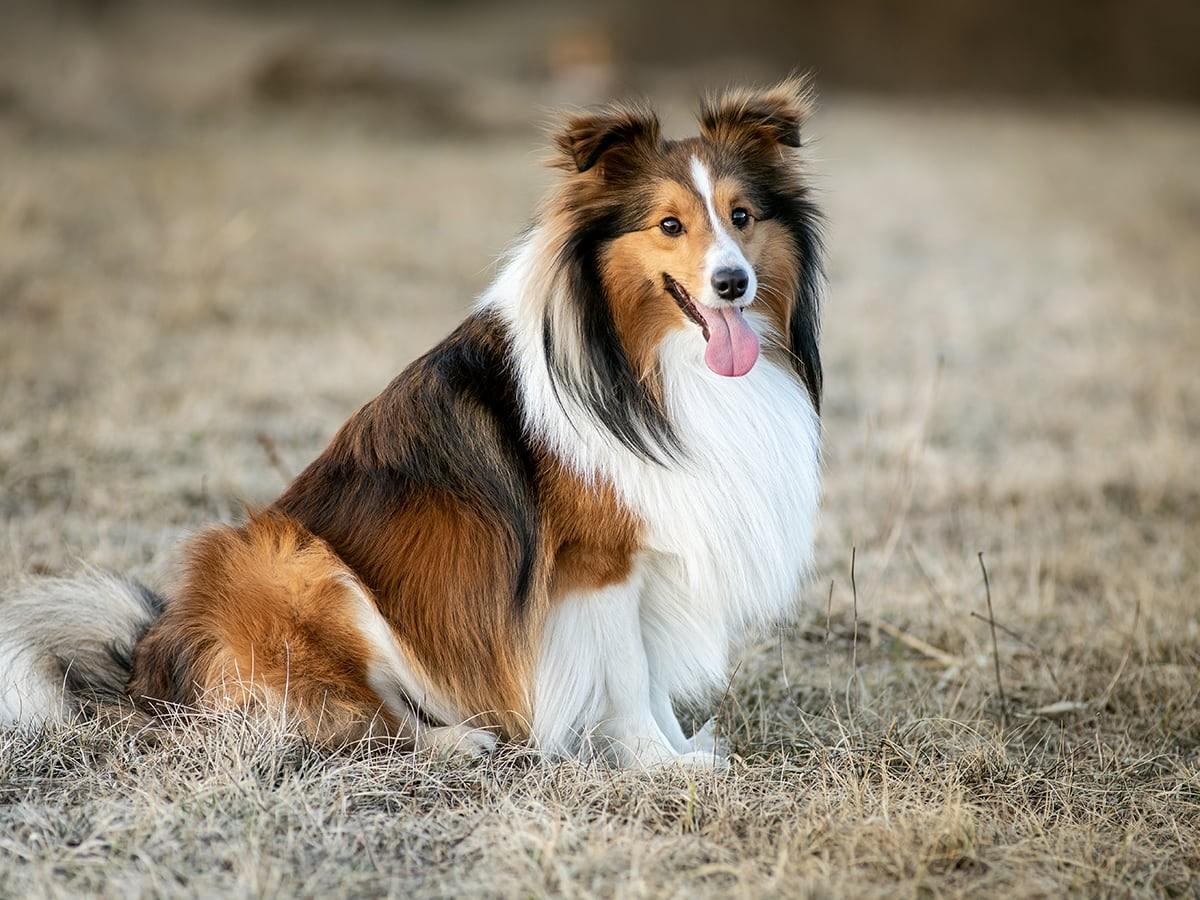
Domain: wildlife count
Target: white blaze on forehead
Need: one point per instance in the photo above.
(703, 182)
(724, 252)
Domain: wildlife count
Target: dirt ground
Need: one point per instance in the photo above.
(208, 261)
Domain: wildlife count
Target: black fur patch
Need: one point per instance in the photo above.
(120, 653)
(803, 221)
(105, 679)
(609, 387)
(449, 425)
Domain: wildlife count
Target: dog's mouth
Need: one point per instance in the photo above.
(732, 346)
(684, 300)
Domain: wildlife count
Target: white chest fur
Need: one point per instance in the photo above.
(739, 509)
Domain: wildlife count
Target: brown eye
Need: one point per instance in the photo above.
(740, 217)
(672, 226)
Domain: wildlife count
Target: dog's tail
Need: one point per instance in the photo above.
(66, 644)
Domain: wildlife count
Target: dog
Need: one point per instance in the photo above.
(551, 527)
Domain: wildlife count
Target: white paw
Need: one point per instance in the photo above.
(704, 759)
(457, 740)
(705, 740)
(641, 753)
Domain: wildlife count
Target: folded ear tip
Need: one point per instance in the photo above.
(798, 91)
(774, 113)
(584, 136)
(800, 83)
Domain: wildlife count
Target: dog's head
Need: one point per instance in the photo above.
(714, 233)
(713, 236)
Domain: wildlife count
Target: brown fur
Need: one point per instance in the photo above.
(591, 536)
(750, 121)
(264, 617)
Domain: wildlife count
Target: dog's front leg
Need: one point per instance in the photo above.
(594, 692)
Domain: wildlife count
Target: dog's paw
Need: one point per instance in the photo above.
(703, 759)
(457, 740)
(705, 740)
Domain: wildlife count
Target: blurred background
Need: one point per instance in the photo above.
(455, 63)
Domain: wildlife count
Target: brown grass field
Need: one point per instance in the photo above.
(191, 301)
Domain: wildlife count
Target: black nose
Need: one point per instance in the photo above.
(730, 283)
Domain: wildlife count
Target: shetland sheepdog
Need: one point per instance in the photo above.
(550, 528)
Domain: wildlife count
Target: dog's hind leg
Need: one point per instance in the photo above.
(270, 619)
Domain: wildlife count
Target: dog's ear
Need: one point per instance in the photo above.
(764, 118)
(611, 138)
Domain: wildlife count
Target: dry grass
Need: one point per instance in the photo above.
(1011, 343)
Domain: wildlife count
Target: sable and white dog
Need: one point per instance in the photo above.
(551, 526)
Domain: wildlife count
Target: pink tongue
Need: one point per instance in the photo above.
(732, 346)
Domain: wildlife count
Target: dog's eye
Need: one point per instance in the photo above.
(672, 226)
(740, 217)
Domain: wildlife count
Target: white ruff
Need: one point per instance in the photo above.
(729, 530)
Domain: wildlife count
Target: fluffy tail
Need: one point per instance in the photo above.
(67, 643)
